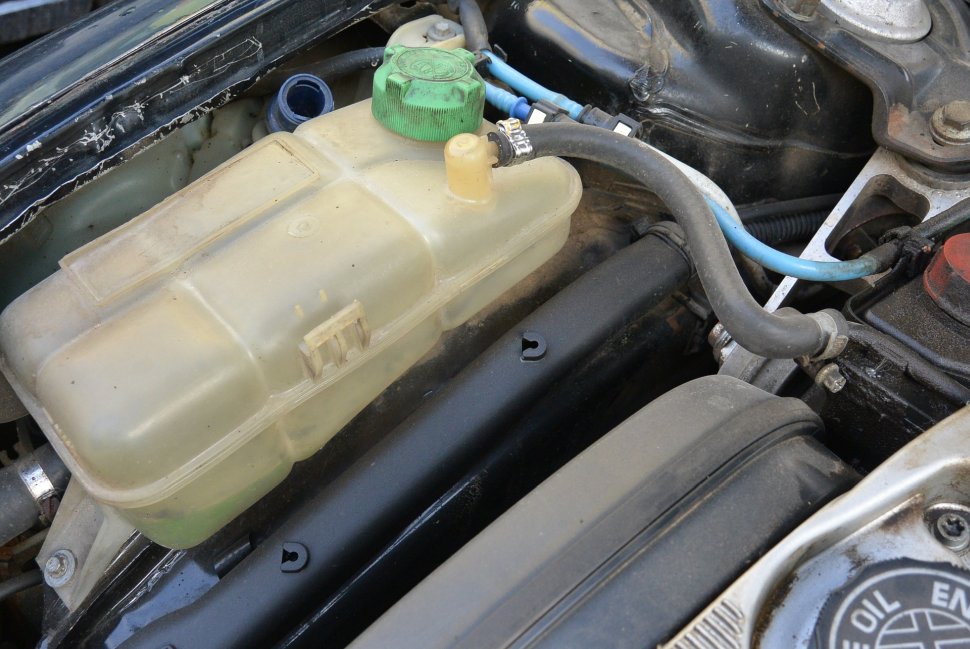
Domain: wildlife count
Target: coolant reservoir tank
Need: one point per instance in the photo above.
(182, 363)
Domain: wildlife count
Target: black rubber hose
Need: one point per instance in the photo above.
(766, 334)
(20, 583)
(947, 220)
(785, 228)
(774, 209)
(915, 365)
(18, 509)
(936, 229)
(337, 67)
(473, 24)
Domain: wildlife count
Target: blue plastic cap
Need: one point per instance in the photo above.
(301, 97)
(520, 109)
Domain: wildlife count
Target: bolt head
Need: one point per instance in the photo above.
(952, 529)
(441, 31)
(718, 337)
(830, 378)
(950, 525)
(956, 114)
(55, 565)
(59, 568)
(950, 123)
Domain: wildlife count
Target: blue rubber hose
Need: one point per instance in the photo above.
(817, 271)
(506, 102)
(534, 91)
(786, 334)
(734, 232)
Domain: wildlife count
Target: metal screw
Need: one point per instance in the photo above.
(441, 31)
(951, 528)
(719, 338)
(950, 123)
(59, 568)
(830, 378)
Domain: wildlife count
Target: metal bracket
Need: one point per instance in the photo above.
(884, 517)
(40, 487)
(883, 165)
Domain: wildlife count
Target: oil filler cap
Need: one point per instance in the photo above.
(428, 94)
(900, 604)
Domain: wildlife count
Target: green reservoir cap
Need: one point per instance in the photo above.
(428, 94)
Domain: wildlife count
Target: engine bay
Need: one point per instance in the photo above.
(620, 323)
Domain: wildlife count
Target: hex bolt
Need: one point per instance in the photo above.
(952, 529)
(441, 31)
(950, 123)
(830, 378)
(59, 568)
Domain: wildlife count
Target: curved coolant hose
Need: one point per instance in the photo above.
(773, 335)
(726, 215)
(534, 91)
(505, 101)
(816, 271)
(746, 243)
(714, 193)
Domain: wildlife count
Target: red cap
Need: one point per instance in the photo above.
(947, 279)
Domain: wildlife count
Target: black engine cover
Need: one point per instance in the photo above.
(630, 540)
(718, 84)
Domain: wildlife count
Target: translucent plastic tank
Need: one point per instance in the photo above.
(182, 363)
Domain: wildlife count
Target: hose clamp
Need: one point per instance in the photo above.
(516, 145)
(39, 486)
(836, 330)
(673, 235)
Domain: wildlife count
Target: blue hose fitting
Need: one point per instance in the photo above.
(300, 98)
(520, 109)
(534, 91)
(506, 102)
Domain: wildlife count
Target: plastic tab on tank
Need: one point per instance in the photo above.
(336, 340)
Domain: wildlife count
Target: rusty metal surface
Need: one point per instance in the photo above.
(908, 80)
